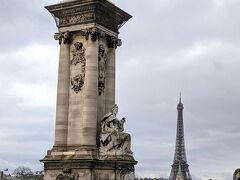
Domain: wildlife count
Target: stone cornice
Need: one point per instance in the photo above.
(99, 12)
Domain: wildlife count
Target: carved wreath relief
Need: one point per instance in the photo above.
(78, 59)
(113, 139)
(102, 60)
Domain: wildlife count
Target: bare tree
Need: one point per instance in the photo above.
(23, 172)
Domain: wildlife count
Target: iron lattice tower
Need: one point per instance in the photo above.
(180, 159)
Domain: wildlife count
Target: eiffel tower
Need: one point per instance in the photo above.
(180, 170)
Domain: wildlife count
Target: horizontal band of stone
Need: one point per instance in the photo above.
(88, 11)
(81, 162)
(89, 33)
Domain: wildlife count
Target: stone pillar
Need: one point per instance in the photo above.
(110, 80)
(90, 100)
(86, 95)
(62, 91)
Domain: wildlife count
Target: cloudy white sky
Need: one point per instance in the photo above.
(168, 46)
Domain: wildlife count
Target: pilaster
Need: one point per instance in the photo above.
(63, 89)
(110, 80)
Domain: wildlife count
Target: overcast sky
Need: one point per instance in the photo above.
(168, 46)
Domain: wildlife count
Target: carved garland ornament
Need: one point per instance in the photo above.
(102, 60)
(78, 59)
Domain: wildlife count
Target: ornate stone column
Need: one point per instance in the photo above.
(90, 142)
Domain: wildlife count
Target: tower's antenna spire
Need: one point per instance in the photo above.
(180, 97)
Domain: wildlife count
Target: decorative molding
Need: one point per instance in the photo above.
(81, 162)
(99, 12)
(76, 19)
(102, 61)
(65, 37)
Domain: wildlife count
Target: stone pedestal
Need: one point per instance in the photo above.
(76, 167)
(90, 142)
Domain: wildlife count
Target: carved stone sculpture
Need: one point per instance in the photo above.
(79, 55)
(78, 59)
(102, 60)
(77, 83)
(113, 139)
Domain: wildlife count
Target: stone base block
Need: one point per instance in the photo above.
(72, 166)
(82, 174)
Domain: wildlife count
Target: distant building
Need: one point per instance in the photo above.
(180, 170)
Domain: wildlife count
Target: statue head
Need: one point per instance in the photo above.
(78, 45)
(101, 50)
(115, 110)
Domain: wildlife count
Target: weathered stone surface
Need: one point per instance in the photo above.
(88, 38)
(113, 139)
(99, 12)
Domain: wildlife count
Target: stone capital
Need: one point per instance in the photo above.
(113, 42)
(95, 34)
(64, 37)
